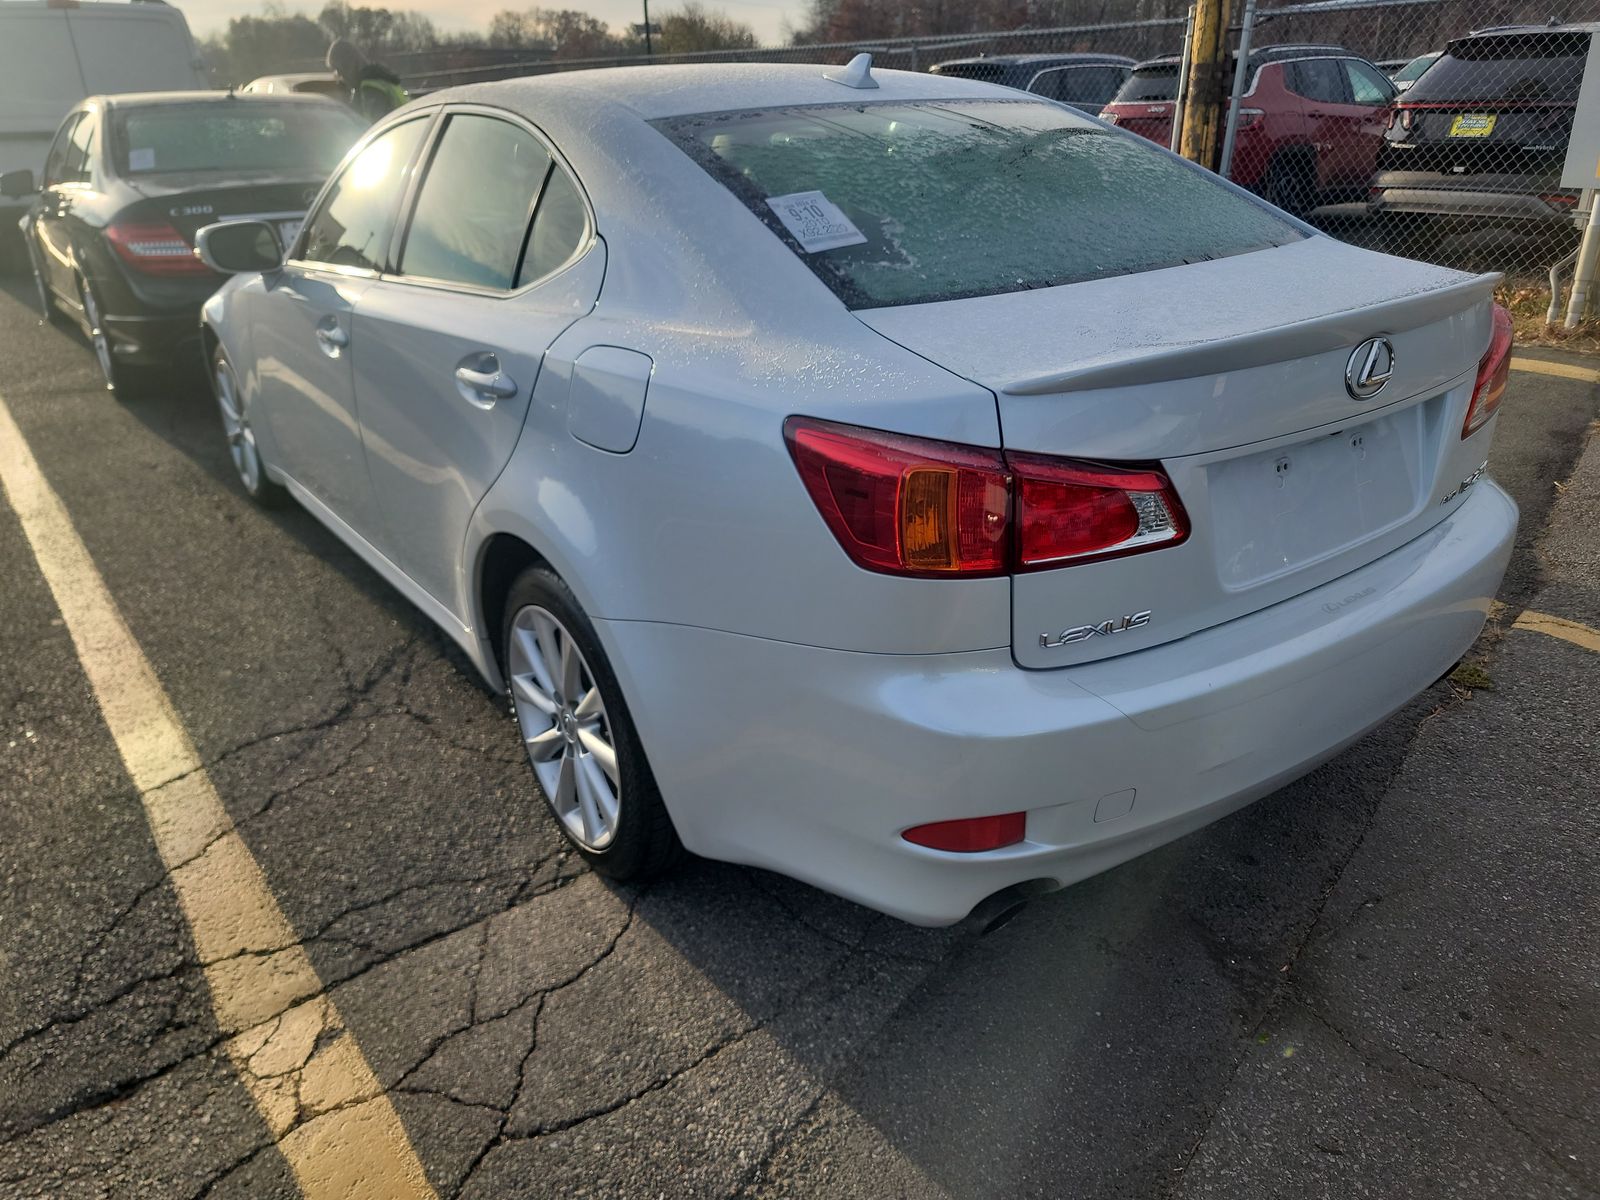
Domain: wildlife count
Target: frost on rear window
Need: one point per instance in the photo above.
(974, 198)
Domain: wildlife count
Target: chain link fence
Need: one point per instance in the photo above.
(1430, 128)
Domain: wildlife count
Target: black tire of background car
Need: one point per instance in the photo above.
(1291, 183)
(646, 843)
(266, 493)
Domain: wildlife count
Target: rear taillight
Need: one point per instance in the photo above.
(1251, 118)
(1406, 119)
(912, 506)
(155, 248)
(1494, 369)
(1388, 119)
(970, 835)
(905, 505)
(1110, 118)
(1070, 512)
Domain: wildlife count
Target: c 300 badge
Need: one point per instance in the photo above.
(1082, 633)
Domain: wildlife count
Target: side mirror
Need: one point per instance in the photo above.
(16, 184)
(239, 247)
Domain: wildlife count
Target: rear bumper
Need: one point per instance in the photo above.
(1498, 198)
(810, 762)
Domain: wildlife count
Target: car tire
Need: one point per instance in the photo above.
(49, 313)
(120, 378)
(581, 742)
(1291, 185)
(242, 449)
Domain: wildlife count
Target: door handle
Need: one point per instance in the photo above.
(481, 382)
(331, 337)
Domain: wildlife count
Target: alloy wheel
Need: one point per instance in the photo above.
(564, 726)
(97, 336)
(241, 441)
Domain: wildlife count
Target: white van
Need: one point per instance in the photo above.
(53, 54)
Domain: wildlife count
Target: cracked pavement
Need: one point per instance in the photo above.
(1379, 981)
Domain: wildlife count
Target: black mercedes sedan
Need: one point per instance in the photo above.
(128, 182)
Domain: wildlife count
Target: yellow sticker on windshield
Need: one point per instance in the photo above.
(1472, 125)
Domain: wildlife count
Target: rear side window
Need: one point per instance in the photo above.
(354, 224)
(1149, 85)
(909, 203)
(1318, 79)
(1367, 84)
(472, 213)
(559, 227)
(1078, 85)
(1511, 67)
(64, 152)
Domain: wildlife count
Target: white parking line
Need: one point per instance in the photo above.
(331, 1118)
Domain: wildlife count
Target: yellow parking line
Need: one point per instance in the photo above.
(1561, 370)
(331, 1118)
(1558, 627)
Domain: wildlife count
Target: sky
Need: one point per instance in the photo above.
(764, 16)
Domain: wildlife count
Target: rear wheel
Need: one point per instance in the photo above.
(579, 737)
(241, 438)
(1291, 185)
(119, 377)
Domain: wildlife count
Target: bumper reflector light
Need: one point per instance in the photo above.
(970, 835)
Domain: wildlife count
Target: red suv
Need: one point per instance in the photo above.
(1310, 123)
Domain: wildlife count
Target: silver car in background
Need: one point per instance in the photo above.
(890, 480)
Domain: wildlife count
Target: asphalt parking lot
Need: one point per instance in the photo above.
(1380, 981)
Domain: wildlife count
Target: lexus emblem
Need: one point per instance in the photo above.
(1369, 369)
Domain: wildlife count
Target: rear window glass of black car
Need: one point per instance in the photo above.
(1149, 85)
(232, 136)
(909, 203)
(988, 72)
(1078, 85)
(1513, 68)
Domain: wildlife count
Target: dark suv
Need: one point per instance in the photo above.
(1480, 138)
(1085, 81)
(1310, 122)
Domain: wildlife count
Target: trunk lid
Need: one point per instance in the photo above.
(1231, 373)
(189, 202)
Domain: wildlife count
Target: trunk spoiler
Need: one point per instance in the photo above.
(1316, 335)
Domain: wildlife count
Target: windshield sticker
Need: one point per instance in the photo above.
(141, 160)
(816, 222)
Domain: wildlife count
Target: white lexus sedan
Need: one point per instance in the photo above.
(891, 480)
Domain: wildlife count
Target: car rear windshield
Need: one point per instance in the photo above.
(908, 203)
(1513, 68)
(988, 72)
(233, 135)
(1148, 85)
(1085, 85)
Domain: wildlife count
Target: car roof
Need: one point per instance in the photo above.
(1501, 30)
(295, 77)
(1029, 60)
(1268, 54)
(656, 92)
(125, 100)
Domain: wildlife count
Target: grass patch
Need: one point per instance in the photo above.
(1528, 299)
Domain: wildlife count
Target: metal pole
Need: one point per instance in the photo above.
(1183, 84)
(1241, 70)
(649, 47)
(1583, 275)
